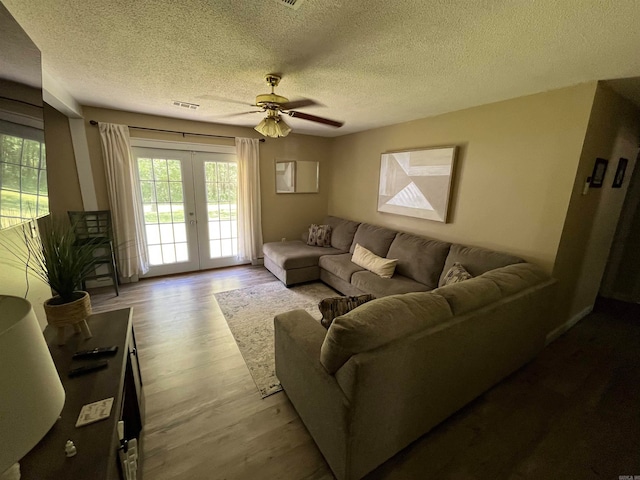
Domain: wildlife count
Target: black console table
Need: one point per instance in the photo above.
(97, 444)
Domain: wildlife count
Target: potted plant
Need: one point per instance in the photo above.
(59, 260)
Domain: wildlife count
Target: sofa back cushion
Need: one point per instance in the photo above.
(476, 260)
(421, 259)
(379, 322)
(469, 295)
(491, 286)
(374, 239)
(515, 278)
(342, 232)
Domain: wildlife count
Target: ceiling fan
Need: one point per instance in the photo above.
(275, 106)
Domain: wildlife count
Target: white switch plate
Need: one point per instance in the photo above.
(94, 412)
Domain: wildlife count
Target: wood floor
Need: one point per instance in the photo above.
(573, 413)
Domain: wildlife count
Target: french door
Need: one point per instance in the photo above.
(190, 203)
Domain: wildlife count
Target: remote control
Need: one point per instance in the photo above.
(89, 367)
(96, 352)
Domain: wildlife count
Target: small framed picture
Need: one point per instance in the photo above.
(599, 170)
(622, 168)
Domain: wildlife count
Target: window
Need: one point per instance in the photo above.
(23, 174)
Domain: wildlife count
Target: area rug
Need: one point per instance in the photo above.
(249, 313)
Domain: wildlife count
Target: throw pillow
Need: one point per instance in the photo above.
(313, 234)
(456, 274)
(364, 258)
(323, 237)
(319, 235)
(333, 307)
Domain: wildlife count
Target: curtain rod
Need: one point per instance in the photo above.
(93, 122)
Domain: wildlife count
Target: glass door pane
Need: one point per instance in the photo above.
(219, 191)
(167, 199)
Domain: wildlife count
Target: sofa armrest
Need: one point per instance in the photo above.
(301, 327)
(298, 339)
(315, 394)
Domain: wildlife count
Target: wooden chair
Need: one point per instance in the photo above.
(94, 227)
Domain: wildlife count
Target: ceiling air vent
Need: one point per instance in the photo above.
(190, 106)
(295, 4)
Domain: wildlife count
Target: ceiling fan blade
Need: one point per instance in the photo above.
(313, 118)
(238, 114)
(303, 102)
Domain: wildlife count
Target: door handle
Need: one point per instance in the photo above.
(192, 222)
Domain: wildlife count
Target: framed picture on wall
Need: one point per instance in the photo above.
(620, 171)
(599, 170)
(417, 183)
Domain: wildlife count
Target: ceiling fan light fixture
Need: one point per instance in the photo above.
(273, 127)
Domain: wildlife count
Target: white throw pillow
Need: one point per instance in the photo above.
(383, 267)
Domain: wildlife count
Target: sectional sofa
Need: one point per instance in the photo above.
(422, 262)
(390, 370)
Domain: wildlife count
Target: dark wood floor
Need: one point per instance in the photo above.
(573, 413)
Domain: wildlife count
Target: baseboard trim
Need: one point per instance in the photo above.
(558, 332)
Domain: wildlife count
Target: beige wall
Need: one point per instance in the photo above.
(614, 127)
(13, 278)
(515, 170)
(62, 174)
(282, 215)
(517, 186)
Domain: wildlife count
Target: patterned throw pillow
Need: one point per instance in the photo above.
(456, 274)
(319, 235)
(323, 239)
(333, 307)
(313, 234)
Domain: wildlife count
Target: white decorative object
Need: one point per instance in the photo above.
(32, 395)
(70, 449)
(297, 176)
(417, 183)
(285, 177)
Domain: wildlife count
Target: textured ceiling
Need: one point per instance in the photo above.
(369, 63)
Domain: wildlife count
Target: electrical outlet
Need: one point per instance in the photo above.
(284, 239)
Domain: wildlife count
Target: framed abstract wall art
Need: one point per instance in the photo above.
(417, 183)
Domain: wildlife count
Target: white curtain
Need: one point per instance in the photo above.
(124, 200)
(249, 215)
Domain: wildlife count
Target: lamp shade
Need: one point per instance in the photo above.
(273, 126)
(31, 395)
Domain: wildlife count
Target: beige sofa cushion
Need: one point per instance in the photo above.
(379, 322)
(384, 267)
